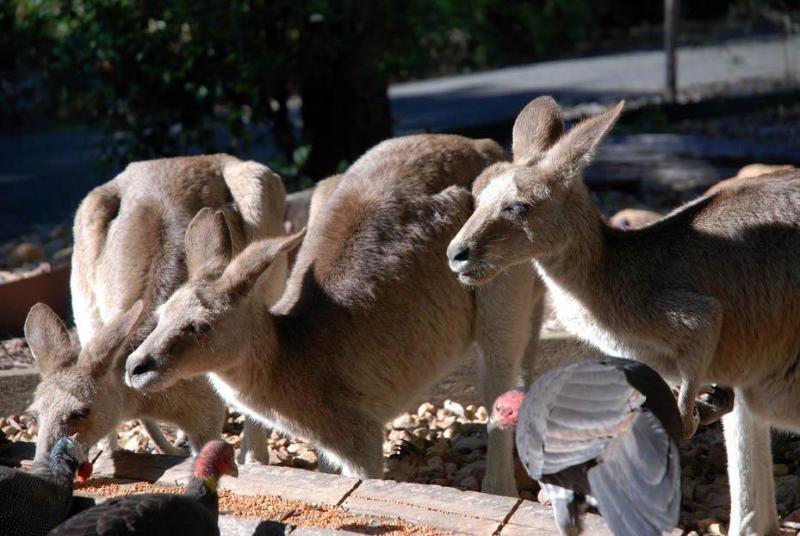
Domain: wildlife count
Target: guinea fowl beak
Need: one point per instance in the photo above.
(85, 471)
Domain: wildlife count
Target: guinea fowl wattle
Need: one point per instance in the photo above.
(31, 504)
(195, 512)
(602, 433)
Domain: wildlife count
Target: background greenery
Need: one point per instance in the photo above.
(175, 77)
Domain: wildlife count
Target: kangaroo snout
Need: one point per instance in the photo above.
(140, 370)
(458, 255)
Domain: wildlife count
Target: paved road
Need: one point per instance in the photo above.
(44, 175)
(463, 101)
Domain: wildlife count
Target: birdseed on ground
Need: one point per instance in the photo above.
(268, 507)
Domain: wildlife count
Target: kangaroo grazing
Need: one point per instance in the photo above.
(371, 316)
(129, 247)
(710, 293)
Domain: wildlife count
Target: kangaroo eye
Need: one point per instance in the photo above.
(197, 329)
(517, 209)
(79, 414)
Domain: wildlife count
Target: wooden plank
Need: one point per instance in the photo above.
(254, 479)
(19, 296)
(533, 518)
(16, 389)
(461, 512)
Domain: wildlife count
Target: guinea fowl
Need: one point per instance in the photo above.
(31, 504)
(195, 512)
(602, 433)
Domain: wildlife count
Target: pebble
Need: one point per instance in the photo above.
(792, 520)
(705, 523)
(435, 464)
(24, 253)
(470, 443)
(454, 408)
(780, 469)
(403, 422)
(470, 483)
(425, 408)
(306, 459)
(63, 255)
(717, 528)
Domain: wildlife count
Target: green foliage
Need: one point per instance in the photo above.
(445, 36)
(180, 76)
(294, 167)
(165, 77)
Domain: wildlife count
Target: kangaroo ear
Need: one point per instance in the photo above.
(242, 273)
(48, 339)
(208, 244)
(537, 128)
(102, 350)
(575, 150)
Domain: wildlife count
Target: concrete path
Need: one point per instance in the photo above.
(44, 175)
(455, 102)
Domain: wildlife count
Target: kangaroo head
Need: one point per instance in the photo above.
(81, 392)
(527, 208)
(202, 327)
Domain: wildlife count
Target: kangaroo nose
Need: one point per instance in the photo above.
(140, 367)
(145, 365)
(458, 254)
(461, 254)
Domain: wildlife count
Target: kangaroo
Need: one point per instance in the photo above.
(707, 294)
(634, 218)
(129, 247)
(371, 316)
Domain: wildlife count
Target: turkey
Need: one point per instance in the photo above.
(195, 512)
(33, 503)
(602, 433)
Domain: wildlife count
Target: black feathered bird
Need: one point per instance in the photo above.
(31, 504)
(195, 512)
(602, 433)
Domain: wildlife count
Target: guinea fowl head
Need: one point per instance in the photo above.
(505, 411)
(71, 453)
(215, 459)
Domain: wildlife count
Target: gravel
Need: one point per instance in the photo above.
(37, 251)
(15, 353)
(447, 446)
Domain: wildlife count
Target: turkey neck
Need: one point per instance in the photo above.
(198, 488)
(60, 472)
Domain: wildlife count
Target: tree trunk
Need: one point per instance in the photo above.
(343, 88)
(671, 8)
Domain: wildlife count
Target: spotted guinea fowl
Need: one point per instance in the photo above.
(33, 503)
(602, 433)
(195, 512)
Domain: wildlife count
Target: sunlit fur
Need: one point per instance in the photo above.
(129, 246)
(371, 317)
(707, 294)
